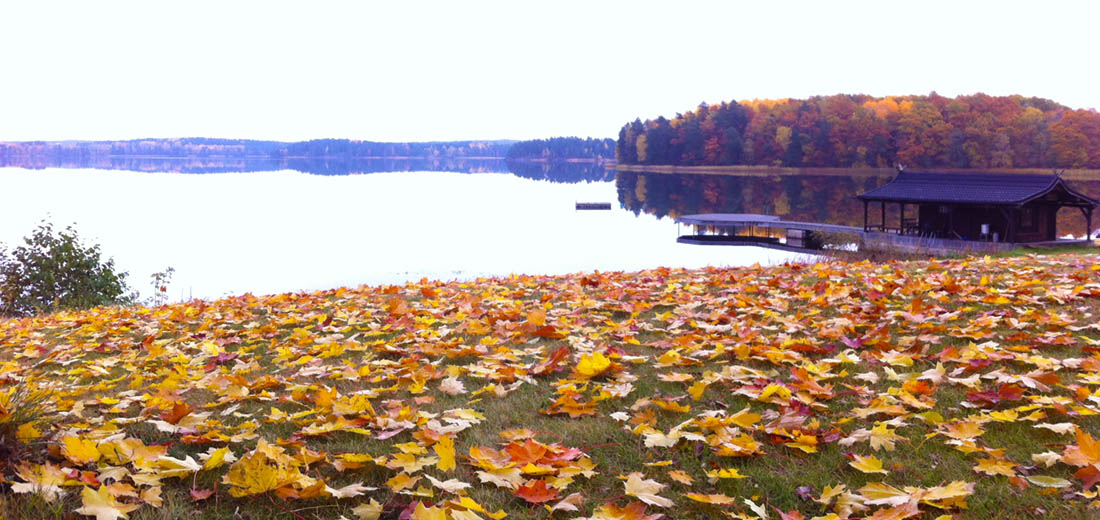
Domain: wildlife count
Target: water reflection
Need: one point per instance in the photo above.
(268, 232)
(316, 166)
(827, 199)
(560, 172)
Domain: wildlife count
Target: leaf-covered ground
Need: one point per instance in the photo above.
(941, 389)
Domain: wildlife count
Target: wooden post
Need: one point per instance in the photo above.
(901, 220)
(883, 217)
(865, 228)
(1088, 224)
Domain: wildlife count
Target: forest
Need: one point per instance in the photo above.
(55, 152)
(563, 149)
(563, 159)
(853, 131)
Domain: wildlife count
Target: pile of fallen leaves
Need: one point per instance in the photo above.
(828, 391)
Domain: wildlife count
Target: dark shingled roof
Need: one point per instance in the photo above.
(972, 188)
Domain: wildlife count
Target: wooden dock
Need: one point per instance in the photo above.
(772, 232)
(593, 205)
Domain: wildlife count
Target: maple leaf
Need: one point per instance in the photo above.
(152, 496)
(402, 481)
(428, 513)
(450, 485)
(996, 467)
(869, 464)
(883, 437)
(878, 493)
(552, 362)
(349, 491)
(257, 473)
(898, 512)
(569, 503)
(680, 476)
(368, 510)
(963, 430)
(445, 448)
(45, 480)
(1086, 452)
(592, 365)
(632, 511)
(79, 451)
(216, 458)
(646, 490)
(725, 473)
(536, 492)
(177, 412)
(452, 386)
(510, 478)
(102, 505)
(711, 499)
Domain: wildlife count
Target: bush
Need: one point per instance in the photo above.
(55, 270)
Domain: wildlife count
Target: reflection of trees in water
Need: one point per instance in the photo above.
(326, 166)
(828, 199)
(557, 171)
(567, 172)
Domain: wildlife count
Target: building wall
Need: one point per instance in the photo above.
(1033, 223)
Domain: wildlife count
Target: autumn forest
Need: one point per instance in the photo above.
(853, 131)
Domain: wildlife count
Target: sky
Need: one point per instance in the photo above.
(457, 70)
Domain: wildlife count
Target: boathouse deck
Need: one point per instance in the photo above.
(772, 232)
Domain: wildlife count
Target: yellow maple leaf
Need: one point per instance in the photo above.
(79, 451)
(681, 477)
(428, 513)
(879, 493)
(963, 430)
(102, 505)
(996, 467)
(592, 365)
(711, 499)
(725, 473)
(696, 390)
(445, 448)
(869, 464)
(217, 458)
(256, 473)
(27, 432)
(368, 510)
(401, 481)
(883, 437)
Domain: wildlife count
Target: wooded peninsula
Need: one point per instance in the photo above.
(859, 131)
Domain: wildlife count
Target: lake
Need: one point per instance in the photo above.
(278, 231)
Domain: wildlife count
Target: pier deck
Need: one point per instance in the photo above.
(772, 232)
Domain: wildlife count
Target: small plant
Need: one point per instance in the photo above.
(160, 281)
(23, 410)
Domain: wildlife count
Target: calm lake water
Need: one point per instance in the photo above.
(277, 231)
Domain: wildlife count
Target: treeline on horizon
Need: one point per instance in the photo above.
(563, 159)
(854, 131)
(200, 147)
(560, 159)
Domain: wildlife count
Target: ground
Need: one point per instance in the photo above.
(962, 388)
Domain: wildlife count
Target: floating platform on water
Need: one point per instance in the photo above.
(593, 205)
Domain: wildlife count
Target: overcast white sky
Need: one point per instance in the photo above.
(416, 71)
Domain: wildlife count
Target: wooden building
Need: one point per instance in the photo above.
(1013, 208)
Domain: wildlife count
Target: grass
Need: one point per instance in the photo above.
(743, 329)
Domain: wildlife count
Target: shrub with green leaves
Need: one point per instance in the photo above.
(55, 270)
